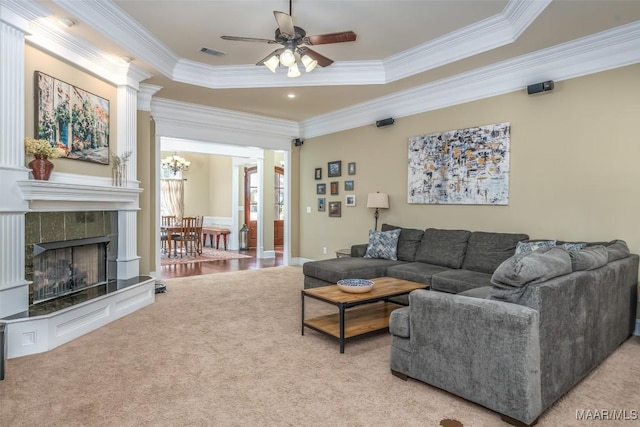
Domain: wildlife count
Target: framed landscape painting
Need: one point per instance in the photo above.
(72, 119)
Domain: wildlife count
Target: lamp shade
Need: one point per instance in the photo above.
(272, 63)
(294, 71)
(378, 201)
(287, 58)
(309, 63)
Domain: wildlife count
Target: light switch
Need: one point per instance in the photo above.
(308, 209)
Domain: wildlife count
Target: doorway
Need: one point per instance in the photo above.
(251, 199)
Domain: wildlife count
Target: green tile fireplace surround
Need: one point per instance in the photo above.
(47, 227)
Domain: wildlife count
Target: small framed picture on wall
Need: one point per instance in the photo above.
(334, 188)
(321, 188)
(350, 200)
(318, 173)
(348, 186)
(351, 168)
(321, 204)
(335, 209)
(334, 169)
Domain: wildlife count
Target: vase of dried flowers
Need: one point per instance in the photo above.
(42, 150)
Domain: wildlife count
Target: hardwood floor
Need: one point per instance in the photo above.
(209, 267)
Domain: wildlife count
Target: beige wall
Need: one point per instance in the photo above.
(36, 60)
(574, 172)
(220, 198)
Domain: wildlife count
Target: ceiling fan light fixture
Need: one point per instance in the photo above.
(309, 63)
(272, 63)
(294, 71)
(287, 58)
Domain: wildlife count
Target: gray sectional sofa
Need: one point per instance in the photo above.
(511, 332)
(448, 260)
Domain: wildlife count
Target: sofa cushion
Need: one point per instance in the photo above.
(588, 258)
(408, 241)
(482, 292)
(332, 270)
(383, 244)
(456, 281)
(486, 251)
(533, 245)
(617, 249)
(443, 247)
(415, 272)
(534, 267)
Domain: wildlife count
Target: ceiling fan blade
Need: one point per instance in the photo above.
(341, 37)
(323, 61)
(275, 52)
(285, 23)
(248, 39)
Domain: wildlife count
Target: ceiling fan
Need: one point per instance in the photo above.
(294, 40)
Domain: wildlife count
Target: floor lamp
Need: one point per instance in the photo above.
(377, 201)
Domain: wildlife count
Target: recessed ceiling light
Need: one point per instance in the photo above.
(67, 22)
(291, 95)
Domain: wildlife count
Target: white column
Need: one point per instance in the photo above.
(14, 289)
(128, 259)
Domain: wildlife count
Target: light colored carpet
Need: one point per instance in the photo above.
(208, 254)
(226, 350)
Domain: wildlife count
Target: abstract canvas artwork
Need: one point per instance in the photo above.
(465, 166)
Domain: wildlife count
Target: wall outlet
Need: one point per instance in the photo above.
(324, 250)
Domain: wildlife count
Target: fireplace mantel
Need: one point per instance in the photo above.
(65, 194)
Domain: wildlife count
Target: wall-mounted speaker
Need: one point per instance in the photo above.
(540, 87)
(298, 142)
(385, 122)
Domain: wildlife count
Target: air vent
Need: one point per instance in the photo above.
(212, 51)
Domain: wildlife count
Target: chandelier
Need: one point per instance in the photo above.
(175, 163)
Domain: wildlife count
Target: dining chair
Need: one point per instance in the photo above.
(188, 237)
(199, 224)
(167, 221)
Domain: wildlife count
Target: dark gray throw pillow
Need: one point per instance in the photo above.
(534, 267)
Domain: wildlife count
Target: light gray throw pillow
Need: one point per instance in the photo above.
(534, 267)
(589, 258)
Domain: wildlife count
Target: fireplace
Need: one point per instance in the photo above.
(65, 267)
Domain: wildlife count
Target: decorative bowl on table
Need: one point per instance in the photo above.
(355, 286)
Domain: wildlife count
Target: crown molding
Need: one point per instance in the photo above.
(251, 76)
(600, 52)
(114, 23)
(496, 31)
(145, 94)
(521, 14)
(191, 121)
(490, 33)
(48, 36)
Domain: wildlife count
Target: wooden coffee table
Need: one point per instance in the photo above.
(369, 312)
